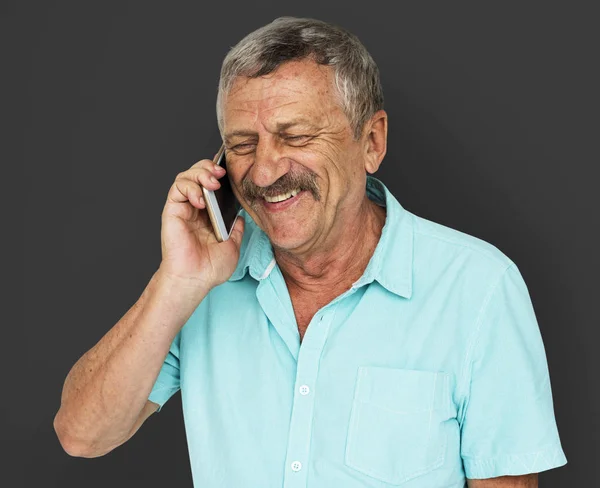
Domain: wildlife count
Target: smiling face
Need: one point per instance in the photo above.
(291, 156)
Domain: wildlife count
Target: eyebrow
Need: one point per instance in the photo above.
(242, 133)
(286, 125)
(281, 127)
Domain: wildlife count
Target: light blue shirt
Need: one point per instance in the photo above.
(429, 369)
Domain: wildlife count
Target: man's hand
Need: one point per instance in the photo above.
(524, 481)
(190, 250)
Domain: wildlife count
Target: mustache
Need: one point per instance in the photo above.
(285, 184)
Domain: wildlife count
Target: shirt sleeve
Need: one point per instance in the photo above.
(508, 426)
(167, 382)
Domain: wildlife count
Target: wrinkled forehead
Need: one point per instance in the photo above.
(299, 89)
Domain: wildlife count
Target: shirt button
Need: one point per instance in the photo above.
(296, 466)
(304, 390)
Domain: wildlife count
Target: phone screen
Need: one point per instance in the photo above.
(228, 203)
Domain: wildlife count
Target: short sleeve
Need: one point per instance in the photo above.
(508, 426)
(167, 382)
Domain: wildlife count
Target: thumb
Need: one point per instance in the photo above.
(237, 232)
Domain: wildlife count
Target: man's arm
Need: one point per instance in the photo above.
(105, 395)
(507, 425)
(523, 481)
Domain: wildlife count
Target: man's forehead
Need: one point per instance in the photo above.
(294, 94)
(270, 91)
(253, 89)
(292, 76)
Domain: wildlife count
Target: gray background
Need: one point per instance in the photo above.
(494, 112)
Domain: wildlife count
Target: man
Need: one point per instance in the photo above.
(336, 340)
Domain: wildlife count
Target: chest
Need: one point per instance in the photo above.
(303, 318)
(306, 306)
(361, 363)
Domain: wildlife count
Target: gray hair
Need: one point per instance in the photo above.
(288, 38)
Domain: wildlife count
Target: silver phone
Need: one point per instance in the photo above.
(222, 205)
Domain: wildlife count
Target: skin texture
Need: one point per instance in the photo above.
(286, 129)
(525, 481)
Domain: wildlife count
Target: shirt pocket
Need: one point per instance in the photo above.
(397, 430)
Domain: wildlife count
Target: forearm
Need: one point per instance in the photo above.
(89, 364)
(521, 481)
(107, 388)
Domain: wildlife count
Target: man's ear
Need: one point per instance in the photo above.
(375, 140)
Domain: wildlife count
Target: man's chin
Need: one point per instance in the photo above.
(286, 230)
(287, 236)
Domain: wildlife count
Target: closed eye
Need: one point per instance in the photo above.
(294, 140)
(244, 148)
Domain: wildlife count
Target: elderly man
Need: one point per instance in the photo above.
(337, 339)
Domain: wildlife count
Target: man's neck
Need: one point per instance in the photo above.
(344, 260)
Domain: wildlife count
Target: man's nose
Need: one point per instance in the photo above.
(270, 163)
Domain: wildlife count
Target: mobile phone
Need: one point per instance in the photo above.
(222, 205)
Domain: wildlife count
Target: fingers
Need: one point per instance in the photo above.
(205, 173)
(187, 191)
(208, 165)
(188, 185)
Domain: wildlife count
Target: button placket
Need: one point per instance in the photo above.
(300, 432)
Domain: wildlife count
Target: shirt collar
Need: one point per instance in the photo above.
(391, 264)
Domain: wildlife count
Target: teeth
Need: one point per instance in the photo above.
(284, 196)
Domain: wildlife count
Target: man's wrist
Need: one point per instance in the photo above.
(178, 294)
(185, 286)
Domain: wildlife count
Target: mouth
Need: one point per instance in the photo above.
(281, 202)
